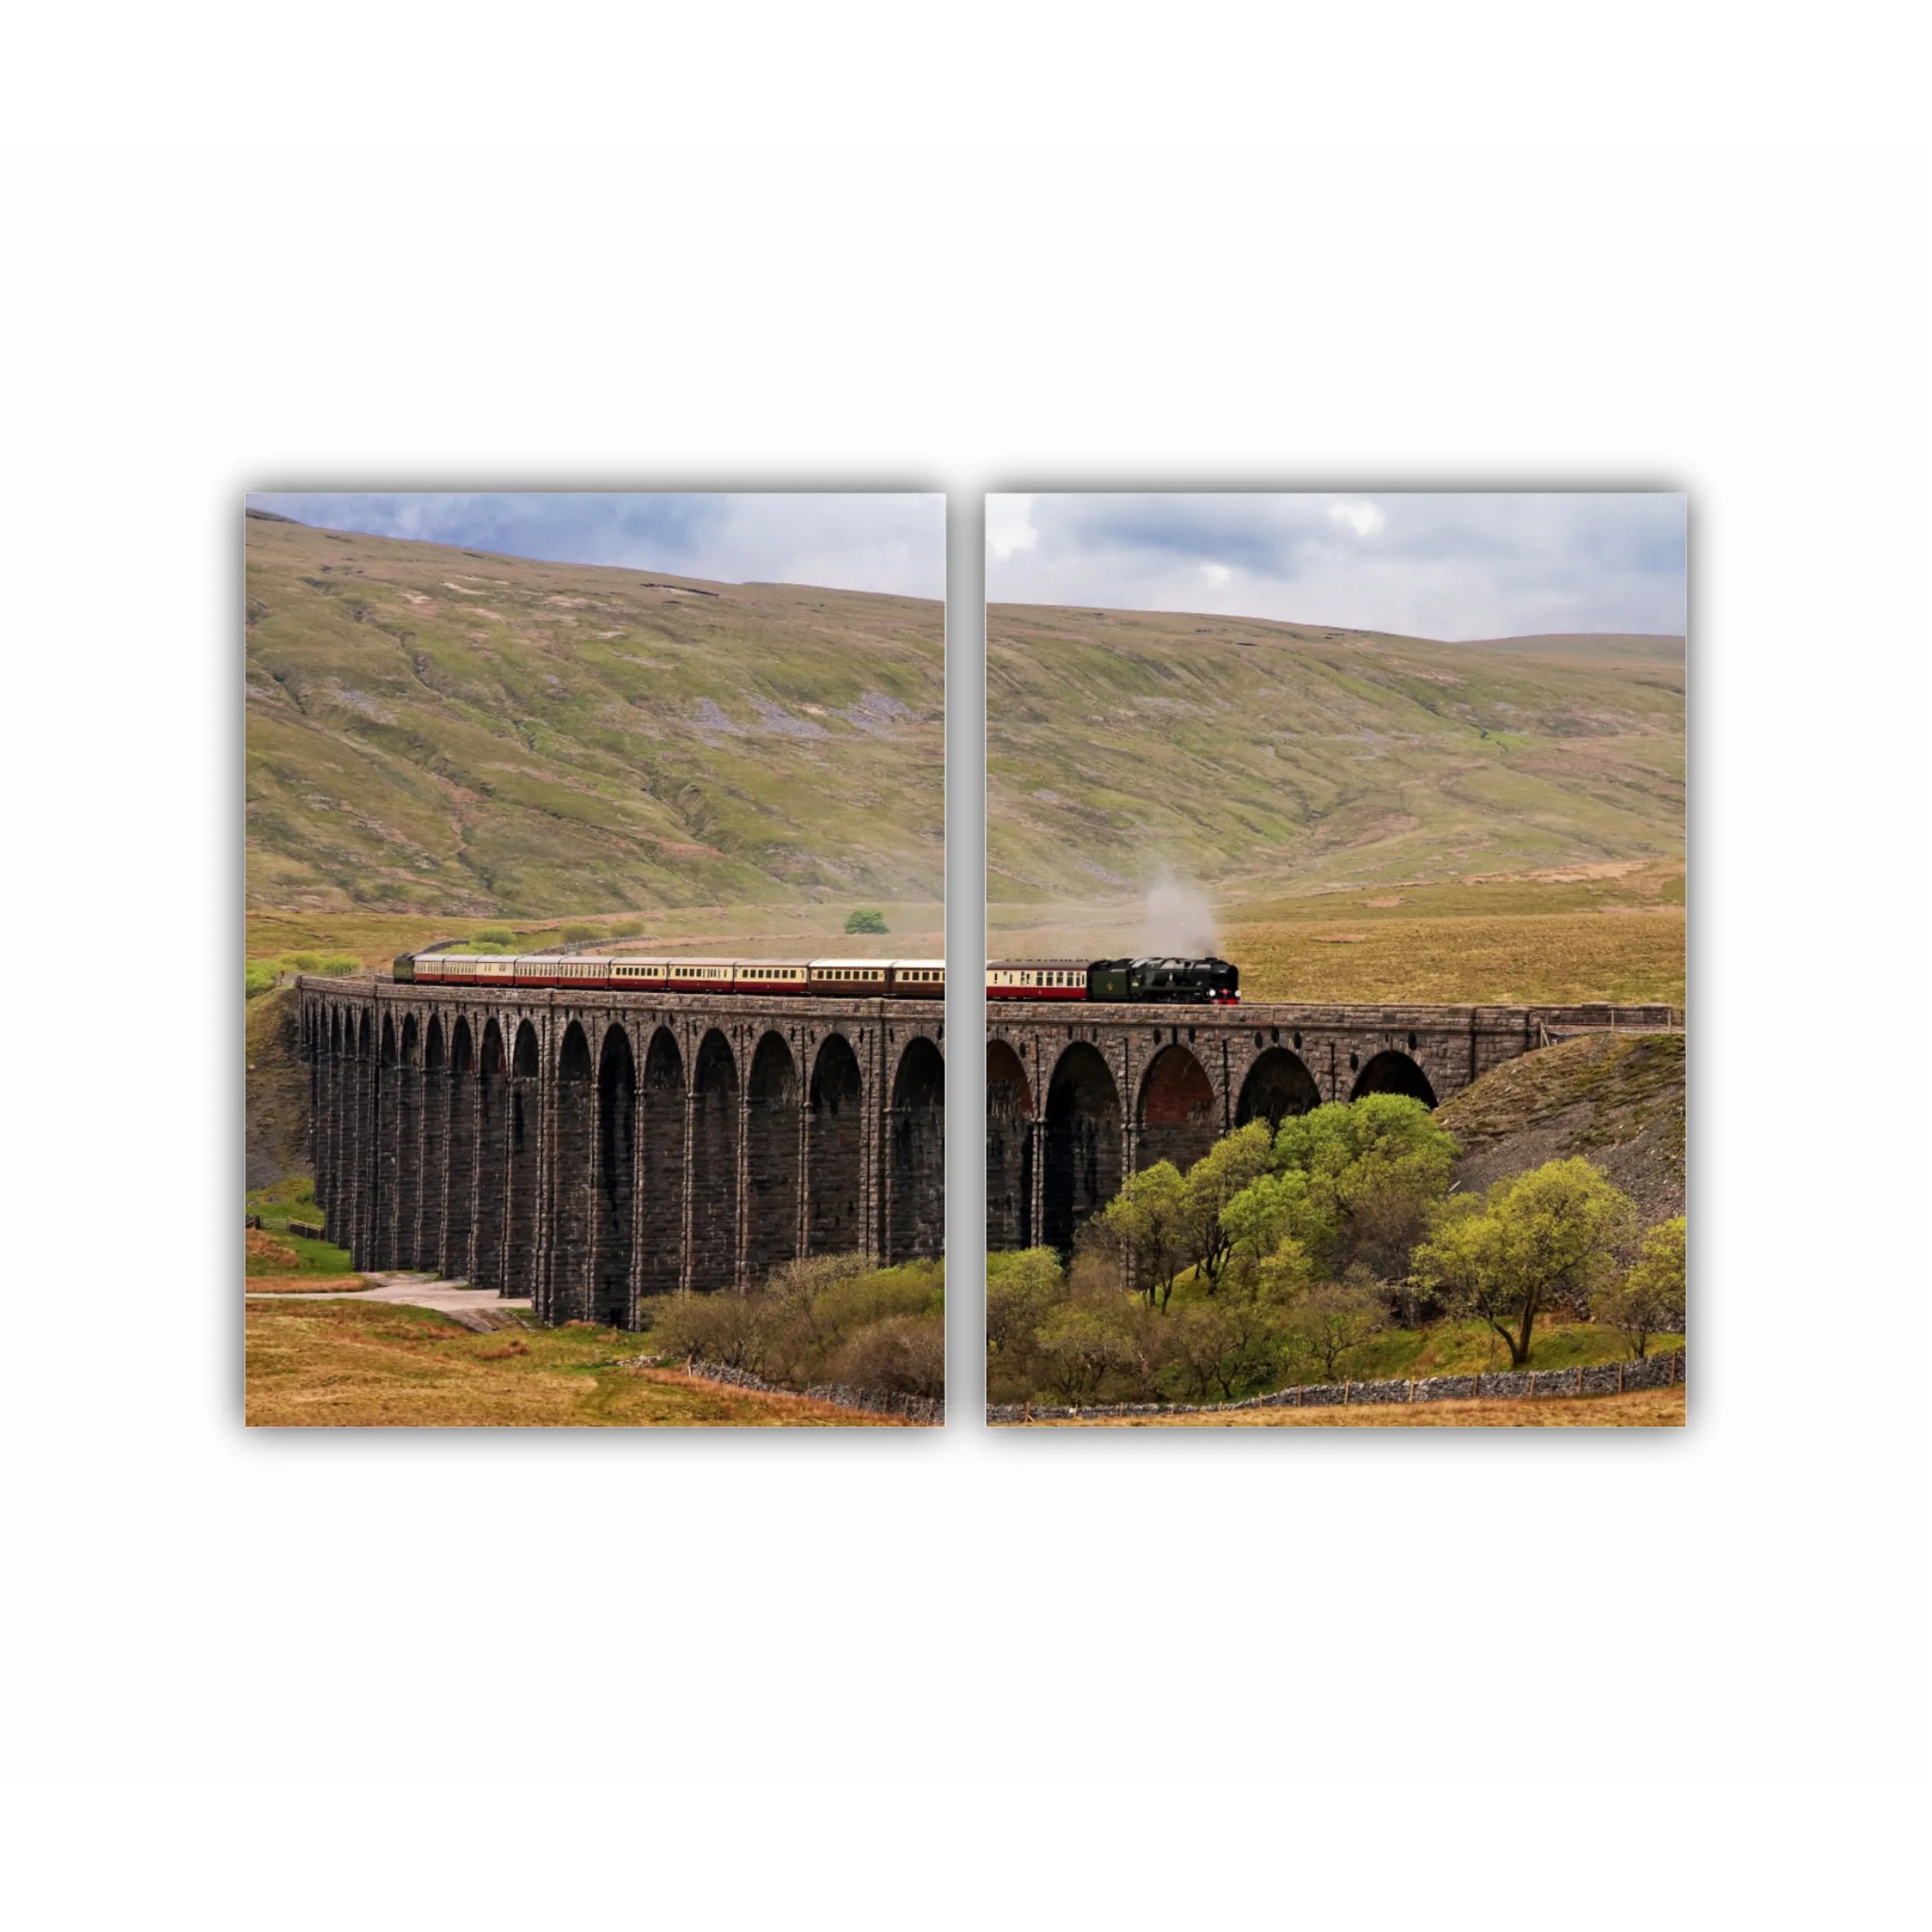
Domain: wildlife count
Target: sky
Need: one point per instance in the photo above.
(1466, 565)
(840, 540)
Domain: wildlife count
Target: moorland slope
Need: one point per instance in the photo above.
(1297, 758)
(439, 730)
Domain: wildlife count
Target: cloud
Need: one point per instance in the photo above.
(1009, 526)
(1471, 564)
(1364, 518)
(843, 540)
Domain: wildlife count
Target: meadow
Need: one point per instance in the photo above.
(375, 1365)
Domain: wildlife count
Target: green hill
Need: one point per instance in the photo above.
(439, 730)
(1255, 755)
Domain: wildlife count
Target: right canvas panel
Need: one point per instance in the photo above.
(1335, 1028)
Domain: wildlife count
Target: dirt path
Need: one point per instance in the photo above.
(474, 1308)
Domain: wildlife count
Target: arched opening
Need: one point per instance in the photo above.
(520, 1230)
(771, 1157)
(453, 1260)
(714, 1165)
(1009, 1149)
(409, 1142)
(835, 1156)
(435, 1122)
(661, 1270)
(492, 1154)
(915, 1174)
(616, 1179)
(568, 1296)
(1177, 1114)
(1278, 1084)
(1083, 1143)
(1390, 1072)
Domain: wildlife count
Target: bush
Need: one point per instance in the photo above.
(904, 1355)
(627, 929)
(493, 936)
(258, 977)
(577, 933)
(833, 1318)
(866, 922)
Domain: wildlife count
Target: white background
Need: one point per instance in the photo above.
(945, 1676)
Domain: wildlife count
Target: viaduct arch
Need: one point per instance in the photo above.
(1074, 1105)
(590, 1152)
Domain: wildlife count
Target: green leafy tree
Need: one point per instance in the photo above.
(1649, 1300)
(1214, 1180)
(1021, 1289)
(866, 921)
(1078, 1346)
(1149, 1225)
(1560, 1231)
(1330, 1320)
(1373, 1168)
(1258, 1219)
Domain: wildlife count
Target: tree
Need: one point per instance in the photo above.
(1373, 1168)
(1148, 1222)
(1649, 1301)
(1334, 1318)
(866, 921)
(1561, 1230)
(1078, 1346)
(1258, 1219)
(1211, 1182)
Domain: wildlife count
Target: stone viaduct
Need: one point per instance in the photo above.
(1077, 1096)
(591, 1149)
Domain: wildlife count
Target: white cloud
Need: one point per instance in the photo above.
(1217, 574)
(1009, 526)
(1364, 518)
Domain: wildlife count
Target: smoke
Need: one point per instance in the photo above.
(1179, 921)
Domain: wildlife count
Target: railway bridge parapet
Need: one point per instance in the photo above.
(591, 1149)
(1079, 1096)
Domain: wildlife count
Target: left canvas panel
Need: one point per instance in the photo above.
(594, 872)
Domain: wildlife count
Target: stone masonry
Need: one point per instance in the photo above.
(1079, 1097)
(590, 1149)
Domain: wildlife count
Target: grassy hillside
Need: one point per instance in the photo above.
(1617, 1099)
(1256, 756)
(432, 730)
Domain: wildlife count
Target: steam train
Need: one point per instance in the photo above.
(1195, 982)
(1147, 982)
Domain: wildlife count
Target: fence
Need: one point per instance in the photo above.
(1515, 1385)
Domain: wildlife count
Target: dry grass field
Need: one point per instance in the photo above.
(1645, 1409)
(1614, 932)
(376, 1365)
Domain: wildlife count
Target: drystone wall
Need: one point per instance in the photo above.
(1524, 1385)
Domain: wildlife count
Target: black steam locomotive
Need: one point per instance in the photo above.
(1152, 982)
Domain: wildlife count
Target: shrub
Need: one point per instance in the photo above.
(258, 977)
(905, 1354)
(493, 936)
(866, 922)
(627, 929)
(576, 933)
